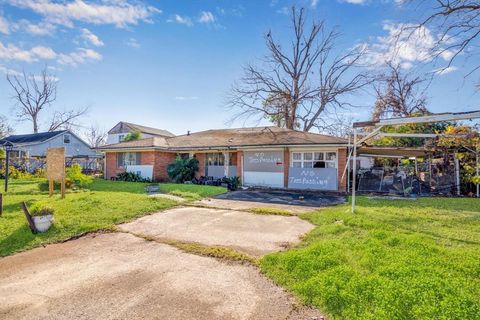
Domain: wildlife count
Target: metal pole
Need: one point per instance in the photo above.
(348, 163)
(457, 174)
(476, 158)
(7, 160)
(354, 178)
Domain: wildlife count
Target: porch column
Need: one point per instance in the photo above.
(226, 161)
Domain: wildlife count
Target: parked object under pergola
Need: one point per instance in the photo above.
(376, 126)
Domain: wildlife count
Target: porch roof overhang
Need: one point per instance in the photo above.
(397, 152)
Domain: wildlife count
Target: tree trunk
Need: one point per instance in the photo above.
(35, 124)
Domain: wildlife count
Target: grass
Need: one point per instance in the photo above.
(392, 260)
(105, 204)
(191, 191)
(271, 211)
(217, 252)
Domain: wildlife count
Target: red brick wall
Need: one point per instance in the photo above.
(342, 162)
(161, 161)
(286, 166)
(201, 164)
(111, 165)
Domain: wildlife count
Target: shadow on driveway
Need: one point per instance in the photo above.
(296, 198)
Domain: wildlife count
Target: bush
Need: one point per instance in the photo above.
(15, 173)
(232, 183)
(131, 177)
(41, 210)
(182, 169)
(76, 178)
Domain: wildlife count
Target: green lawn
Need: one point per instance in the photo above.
(105, 204)
(191, 191)
(392, 260)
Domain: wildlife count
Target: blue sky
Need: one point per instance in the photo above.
(170, 64)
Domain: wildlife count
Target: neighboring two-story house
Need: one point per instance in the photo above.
(121, 129)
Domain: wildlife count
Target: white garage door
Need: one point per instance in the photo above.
(263, 168)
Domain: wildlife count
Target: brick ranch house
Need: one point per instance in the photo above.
(262, 156)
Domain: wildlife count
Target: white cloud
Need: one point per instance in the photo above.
(355, 1)
(37, 29)
(314, 3)
(132, 42)
(81, 56)
(13, 52)
(206, 17)
(182, 98)
(88, 36)
(4, 26)
(406, 46)
(447, 70)
(120, 13)
(182, 20)
(44, 53)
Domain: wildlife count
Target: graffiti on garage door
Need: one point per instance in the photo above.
(312, 178)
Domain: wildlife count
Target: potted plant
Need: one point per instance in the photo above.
(42, 217)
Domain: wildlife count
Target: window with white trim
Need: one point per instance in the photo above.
(321, 159)
(128, 159)
(66, 138)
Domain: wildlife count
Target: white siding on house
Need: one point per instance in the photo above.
(115, 137)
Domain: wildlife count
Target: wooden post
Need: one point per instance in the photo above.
(50, 187)
(29, 218)
(63, 188)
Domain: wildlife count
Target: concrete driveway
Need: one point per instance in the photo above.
(121, 276)
(250, 233)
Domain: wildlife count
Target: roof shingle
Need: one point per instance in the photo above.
(232, 138)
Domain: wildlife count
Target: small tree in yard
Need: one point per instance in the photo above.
(182, 169)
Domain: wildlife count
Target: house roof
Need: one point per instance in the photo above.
(144, 129)
(232, 138)
(32, 138)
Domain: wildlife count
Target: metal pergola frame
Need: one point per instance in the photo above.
(378, 125)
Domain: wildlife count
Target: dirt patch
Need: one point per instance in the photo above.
(253, 234)
(120, 276)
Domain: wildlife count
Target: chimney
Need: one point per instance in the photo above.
(188, 132)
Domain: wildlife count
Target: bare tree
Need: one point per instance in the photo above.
(32, 95)
(399, 94)
(458, 24)
(5, 128)
(66, 119)
(96, 136)
(296, 84)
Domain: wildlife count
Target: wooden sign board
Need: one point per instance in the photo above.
(56, 168)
